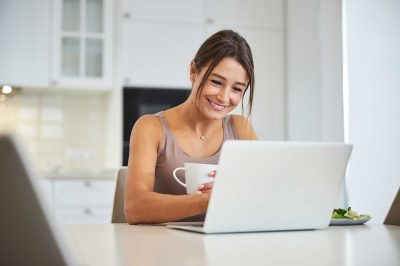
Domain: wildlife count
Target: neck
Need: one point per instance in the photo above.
(196, 121)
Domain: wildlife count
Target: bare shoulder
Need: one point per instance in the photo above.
(148, 121)
(243, 127)
(147, 126)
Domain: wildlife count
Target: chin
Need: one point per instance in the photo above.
(211, 114)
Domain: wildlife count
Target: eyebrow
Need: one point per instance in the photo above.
(223, 78)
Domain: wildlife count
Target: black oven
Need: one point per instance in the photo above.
(140, 101)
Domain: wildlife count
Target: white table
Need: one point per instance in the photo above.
(122, 244)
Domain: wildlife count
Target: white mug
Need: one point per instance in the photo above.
(195, 175)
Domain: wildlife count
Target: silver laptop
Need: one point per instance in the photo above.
(28, 235)
(273, 186)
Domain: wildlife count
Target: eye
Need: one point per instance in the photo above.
(236, 89)
(216, 82)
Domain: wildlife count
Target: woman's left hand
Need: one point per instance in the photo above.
(207, 187)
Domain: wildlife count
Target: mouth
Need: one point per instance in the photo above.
(216, 106)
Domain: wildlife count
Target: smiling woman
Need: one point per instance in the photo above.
(192, 132)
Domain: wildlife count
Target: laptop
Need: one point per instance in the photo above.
(393, 216)
(274, 186)
(28, 233)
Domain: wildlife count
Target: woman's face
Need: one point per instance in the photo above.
(223, 89)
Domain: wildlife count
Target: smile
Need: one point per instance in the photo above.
(216, 106)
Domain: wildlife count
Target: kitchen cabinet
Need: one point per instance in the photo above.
(261, 14)
(170, 11)
(83, 201)
(25, 42)
(159, 40)
(159, 54)
(79, 200)
(60, 43)
(82, 44)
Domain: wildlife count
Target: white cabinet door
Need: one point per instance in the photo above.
(159, 54)
(159, 40)
(82, 44)
(83, 200)
(84, 215)
(81, 193)
(24, 46)
(161, 10)
(249, 13)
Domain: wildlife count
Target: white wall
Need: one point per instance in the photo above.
(373, 41)
(303, 71)
(314, 71)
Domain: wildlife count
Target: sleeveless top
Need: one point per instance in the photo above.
(171, 156)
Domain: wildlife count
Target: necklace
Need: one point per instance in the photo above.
(202, 137)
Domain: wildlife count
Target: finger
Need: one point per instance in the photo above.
(206, 191)
(205, 186)
(212, 173)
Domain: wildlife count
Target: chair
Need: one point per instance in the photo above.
(118, 213)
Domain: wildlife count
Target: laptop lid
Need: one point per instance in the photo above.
(28, 234)
(267, 186)
(393, 216)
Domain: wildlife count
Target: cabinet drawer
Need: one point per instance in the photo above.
(81, 193)
(84, 215)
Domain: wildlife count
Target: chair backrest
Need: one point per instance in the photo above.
(393, 216)
(118, 214)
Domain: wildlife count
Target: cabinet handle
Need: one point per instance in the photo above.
(87, 211)
(127, 81)
(53, 82)
(88, 184)
(210, 20)
(127, 15)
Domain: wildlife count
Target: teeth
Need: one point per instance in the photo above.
(217, 106)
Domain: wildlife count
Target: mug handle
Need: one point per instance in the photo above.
(176, 178)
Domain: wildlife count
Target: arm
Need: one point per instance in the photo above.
(142, 204)
(243, 127)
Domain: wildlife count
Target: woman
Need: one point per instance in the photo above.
(221, 72)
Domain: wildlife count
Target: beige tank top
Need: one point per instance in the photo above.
(171, 156)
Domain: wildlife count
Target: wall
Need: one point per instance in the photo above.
(62, 131)
(373, 41)
(314, 71)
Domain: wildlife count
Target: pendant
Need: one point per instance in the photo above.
(202, 137)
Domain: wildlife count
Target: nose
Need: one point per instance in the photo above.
(223, 95)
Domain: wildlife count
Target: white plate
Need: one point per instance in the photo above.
(349, 221)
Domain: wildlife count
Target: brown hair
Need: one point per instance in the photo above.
(226, 43)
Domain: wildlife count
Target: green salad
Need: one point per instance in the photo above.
(348, 214)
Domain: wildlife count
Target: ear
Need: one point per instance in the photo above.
(193, 71)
